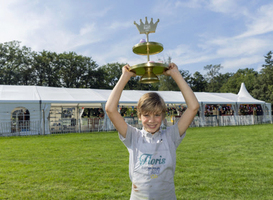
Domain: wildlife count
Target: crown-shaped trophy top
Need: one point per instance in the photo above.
(147, 27)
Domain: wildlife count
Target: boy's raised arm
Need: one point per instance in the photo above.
(190, 98)
(113, 100)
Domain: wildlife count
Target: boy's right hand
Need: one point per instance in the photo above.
(126, 71)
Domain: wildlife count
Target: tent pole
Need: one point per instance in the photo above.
(202, 114)
(78, 119)
(236, 113)
(43, 127)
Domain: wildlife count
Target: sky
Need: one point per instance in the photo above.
(234, 33)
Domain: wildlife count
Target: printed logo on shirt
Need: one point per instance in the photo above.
(147, 158)
(153, 170)
(153, 176)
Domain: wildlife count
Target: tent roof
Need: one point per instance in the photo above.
(13, 94)
(245, 97)
(94, 97)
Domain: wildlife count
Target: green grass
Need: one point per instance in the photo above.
(212, 163)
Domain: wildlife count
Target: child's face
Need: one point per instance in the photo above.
(151, 121)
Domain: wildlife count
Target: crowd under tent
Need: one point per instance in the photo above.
(39, 108)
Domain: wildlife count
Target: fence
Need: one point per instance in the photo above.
(21, 128)
(230, 120)
(69, 126)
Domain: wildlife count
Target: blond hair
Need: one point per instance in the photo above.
(153, 103)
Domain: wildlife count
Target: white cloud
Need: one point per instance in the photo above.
(233, 52)
(243, 50)
(163, 8)
(117, 25)
(261, 22)
(47, 25)
(87, 29)
(223, 6)
(242, 62)
(190, 3)
(11, 26)
(184, 54)
(234, 47)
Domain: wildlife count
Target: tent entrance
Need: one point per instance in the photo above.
(20, 120)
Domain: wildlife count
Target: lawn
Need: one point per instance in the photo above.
(212, 163)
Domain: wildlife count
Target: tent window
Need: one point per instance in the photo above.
(63, 119)
(20, 117)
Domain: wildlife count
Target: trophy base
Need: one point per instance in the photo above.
(149, 71)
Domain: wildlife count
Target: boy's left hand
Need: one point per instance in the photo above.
(172, 69)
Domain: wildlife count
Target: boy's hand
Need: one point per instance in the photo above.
(172, 69)
(126, 71)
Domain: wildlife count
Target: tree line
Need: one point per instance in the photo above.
(19, 65)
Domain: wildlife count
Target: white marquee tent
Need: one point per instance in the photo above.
(38, 100)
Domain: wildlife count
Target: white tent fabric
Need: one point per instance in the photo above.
(243, 92)
(45, 118)
(39, 99)
(245, 98)
(90, 97)
(22, 94)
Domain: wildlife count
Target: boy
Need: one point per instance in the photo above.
(152, 150)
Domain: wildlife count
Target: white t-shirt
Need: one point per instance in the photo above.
(162, 143)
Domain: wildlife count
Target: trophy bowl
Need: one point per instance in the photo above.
(150, 48)
(149, 71)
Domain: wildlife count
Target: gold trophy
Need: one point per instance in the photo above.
(149, 70)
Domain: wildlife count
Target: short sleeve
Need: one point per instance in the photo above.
(129, 136)
(174, 134)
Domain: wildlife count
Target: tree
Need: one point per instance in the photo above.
(95, 78)
(263, 87)
(246, 76)
(198, 82)
(212, 71)
(166, 83)
(113, 72)
(9, 63)
(15, 64)
(75, 69)
(220, 80)
(214, 78)
(47, 69)
(26, 68)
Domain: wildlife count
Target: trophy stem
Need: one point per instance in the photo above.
(148, 49)
(148, 55)
(147, 37)
(149, 76)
